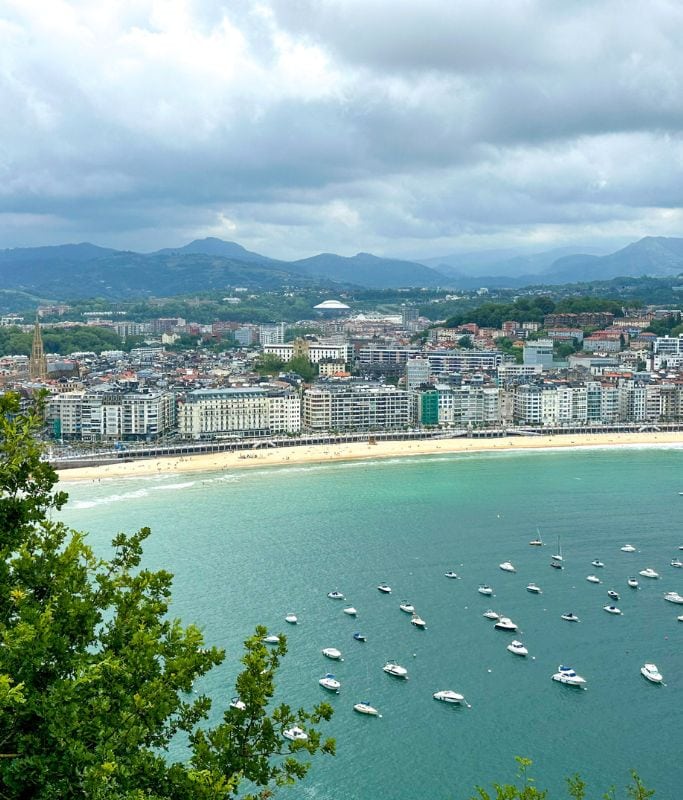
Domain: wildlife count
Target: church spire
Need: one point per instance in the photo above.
(37, 368)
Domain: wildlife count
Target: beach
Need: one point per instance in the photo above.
(307, 454)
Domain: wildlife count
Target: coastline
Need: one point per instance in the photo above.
(321, 453)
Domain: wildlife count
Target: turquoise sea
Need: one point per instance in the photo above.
(248, 546)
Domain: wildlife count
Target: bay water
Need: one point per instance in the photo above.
(248, 546)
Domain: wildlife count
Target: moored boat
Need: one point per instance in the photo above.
(448, 696)
(628, 548)
(505, 624)
(485, 589)
(612, 594)
(409, 608)
(632, 582)
(295, 734)
(651, 672)
(570, 617)
(568, 676)
(533, 588)
(612, 609)
(673, 597)
(418, 622)
(359, 637)
(351, 611)
(491, 614)
(676, 562)
(507, 566)
(648, 572)
(335, 595)
(333, 653)
(330, 683)
(271, 639)
(593, 579)
(365, 708)
(392, 668)
(292, 619)
(238, 704)
(384, 588)
(451, 574)
(517, 648)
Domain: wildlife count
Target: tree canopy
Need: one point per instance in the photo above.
(95, 675)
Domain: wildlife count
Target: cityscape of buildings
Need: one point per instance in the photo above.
(373, 374)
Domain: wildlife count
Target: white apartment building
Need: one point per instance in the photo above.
(111, 415)
(314, 351)
(357, 407)
(253, 411)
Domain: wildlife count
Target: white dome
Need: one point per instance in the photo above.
(331, 305)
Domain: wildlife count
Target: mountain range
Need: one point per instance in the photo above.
(73, 271)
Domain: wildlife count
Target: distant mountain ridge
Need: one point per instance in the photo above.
(73, 271)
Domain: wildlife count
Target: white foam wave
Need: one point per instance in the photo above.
(112, 498)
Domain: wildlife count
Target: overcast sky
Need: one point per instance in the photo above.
(402, 128)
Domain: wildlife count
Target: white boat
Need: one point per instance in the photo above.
(240, 705)
(536, 542)
(558, 555)
(517, 648)
(676, 562)
(295, 734)
(612, 594)
(292, 619)
(408, 608)
(593, 579)
(491, 614)
(632, 582)
(392, 668)
(612, 609)
(570, 617)
(384, 588)
(680, 618)
(651, 672)
(335, 595)
(330, 683)
(533, 588)
(648, 572)
(568, 676)
(351, 611)
(418, 622)
(271, 639)
(506, 566)
(673, 597)
(333, 653)
(485, 589)
(597, 563)
(365, 708)
(448, 696)
(505, 624)
(451, 574)
(628, 548)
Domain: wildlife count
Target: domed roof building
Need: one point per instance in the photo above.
(331, 307)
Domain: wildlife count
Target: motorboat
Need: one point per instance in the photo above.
(597, 563)
(628, 548)
(648, 572)
(240, 705)
(505, 624)
(360, 637)
(408, 608)
(612, 594)
(491, 614)
(676, 562)
(506, 566)
(451, 574)
(632, 582)
(568, 676)
(570, 617)
(295, 734)
(271, 639)
(335, 595)
(556, 565)
(612, 609)
(533, 588)
(384, 588)
(418, 622)
(448, 696)
(680, 618)
(673, 597)
(292, 619)
(330, 683)
(651, 672)
(351, 611)
(333, 653)
(391, 668)
(517, 648)
(593, 579)
(365, 708)
(485, 589)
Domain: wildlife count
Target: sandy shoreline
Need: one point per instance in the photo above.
(307, 454)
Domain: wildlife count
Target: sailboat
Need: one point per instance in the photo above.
(537, 542)
(556, 562)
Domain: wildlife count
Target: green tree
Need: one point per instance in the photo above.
(96, 677)
(302, 366)
(268, 364)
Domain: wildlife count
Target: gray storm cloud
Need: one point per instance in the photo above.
(297, 126)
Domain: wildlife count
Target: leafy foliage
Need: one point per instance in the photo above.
(96, 677)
